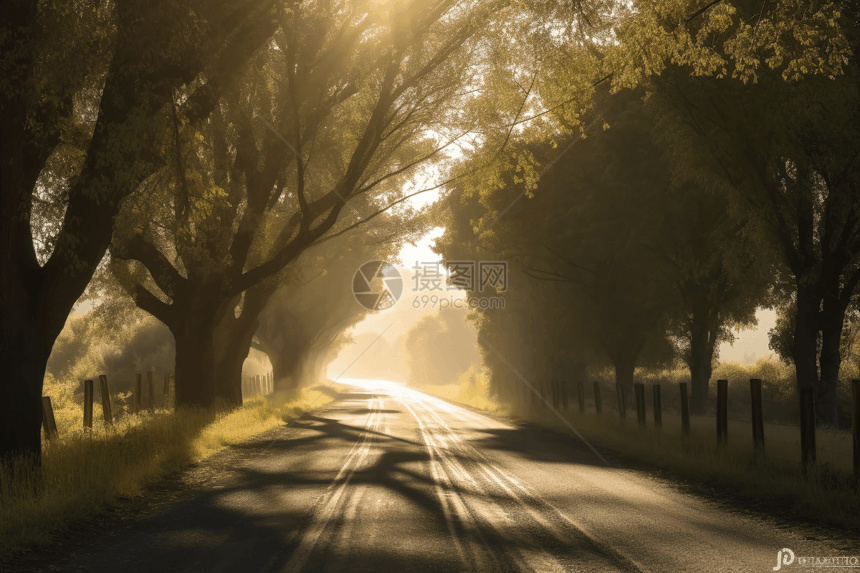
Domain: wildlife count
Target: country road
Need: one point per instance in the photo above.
(386, 478)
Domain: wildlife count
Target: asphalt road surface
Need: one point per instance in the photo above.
(388, 479)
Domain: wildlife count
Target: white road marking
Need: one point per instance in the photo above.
(335, 490)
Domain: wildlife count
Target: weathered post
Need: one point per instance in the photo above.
(757, 416)
(807, 427)
(166, 393)
(639, 390)
(855, 418)
(622, 411)
(88, 404)
(658, 407)
(685, 411)
(597, 402)
(722, 412)
(48, 420)
(105, 393)
(580, 394)
(137, 390)
(150, 389)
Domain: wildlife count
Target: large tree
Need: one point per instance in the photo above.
(788, 153)
(81, 89)
(332, 117)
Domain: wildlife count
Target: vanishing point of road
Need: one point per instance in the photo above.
(385, 478)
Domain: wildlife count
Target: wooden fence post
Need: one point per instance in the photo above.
(622, 408)
(580, 391)
(658, 407)
(855, 418)
(88, 404)
(137, 390)
(639, 390)
(597, 401)
(757, 416)
(48, 420)
(105, 392)
(685, 411)
(722, 412)
(150, 388)
(807, 427)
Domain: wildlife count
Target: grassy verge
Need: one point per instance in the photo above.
(85, 471)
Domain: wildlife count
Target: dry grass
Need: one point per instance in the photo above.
(85, 471)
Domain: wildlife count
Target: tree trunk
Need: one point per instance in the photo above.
(286, 364)
(826, 399)
(234, 345)
(195, 362)
(702, 342)
(284, 341)
(233, 336)
(805, 349)
(23, 357)
(625, 365)
(194, 319)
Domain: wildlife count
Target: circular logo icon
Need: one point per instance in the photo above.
(377, 285)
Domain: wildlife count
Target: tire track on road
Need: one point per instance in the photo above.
(328, 505)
